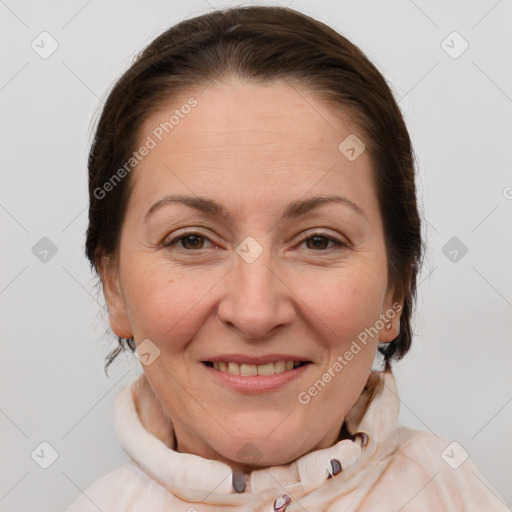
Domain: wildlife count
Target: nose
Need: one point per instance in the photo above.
(257, 299)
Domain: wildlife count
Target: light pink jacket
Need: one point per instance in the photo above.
(390, 469)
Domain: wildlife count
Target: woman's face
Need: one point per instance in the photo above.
(255, 272)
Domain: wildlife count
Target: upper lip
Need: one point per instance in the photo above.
(256, 360)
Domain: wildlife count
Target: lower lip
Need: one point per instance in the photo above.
(257, 383)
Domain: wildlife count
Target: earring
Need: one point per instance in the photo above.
(388, 326)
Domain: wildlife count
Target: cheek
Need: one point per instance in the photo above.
(163, 302)
(343, 301)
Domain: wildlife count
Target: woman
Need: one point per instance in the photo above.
(254, 224)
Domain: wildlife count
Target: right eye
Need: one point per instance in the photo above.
(189, 241)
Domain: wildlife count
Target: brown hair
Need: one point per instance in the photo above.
(262, 44)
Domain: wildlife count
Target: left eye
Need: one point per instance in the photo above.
(319, 241)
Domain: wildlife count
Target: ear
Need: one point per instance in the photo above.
(117, 313)
(390, 316)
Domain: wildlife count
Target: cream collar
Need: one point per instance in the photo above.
(195, 478)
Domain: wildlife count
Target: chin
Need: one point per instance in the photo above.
(257, 452)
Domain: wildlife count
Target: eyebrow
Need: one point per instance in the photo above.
(213, 208)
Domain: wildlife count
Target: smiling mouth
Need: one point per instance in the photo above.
(252, 370)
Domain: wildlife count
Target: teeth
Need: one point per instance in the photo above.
(266, 369)
(279, 367)
(250, 370)
(233, 368)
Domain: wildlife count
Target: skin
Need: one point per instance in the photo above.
(254, 148)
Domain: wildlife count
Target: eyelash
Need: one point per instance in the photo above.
(172, 242)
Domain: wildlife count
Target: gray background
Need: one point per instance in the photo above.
(456, 381)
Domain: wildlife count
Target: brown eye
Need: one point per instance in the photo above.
(320, 242)
(193, 241)
(189, 241)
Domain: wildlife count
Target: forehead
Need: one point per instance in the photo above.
(257, 137)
